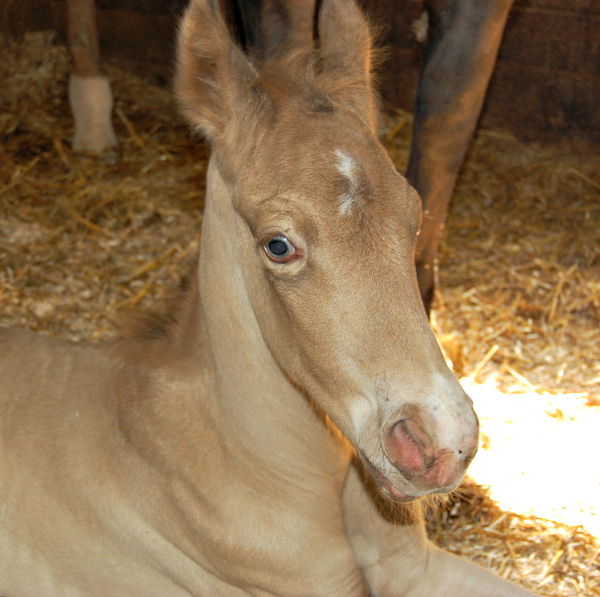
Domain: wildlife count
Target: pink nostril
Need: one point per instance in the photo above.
(414, 454)
(407, 446)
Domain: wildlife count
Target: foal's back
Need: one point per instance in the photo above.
(54, 433)
(69, 475)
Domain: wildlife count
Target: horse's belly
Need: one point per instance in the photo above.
(32, 565)
(32, 572)
(62, 545)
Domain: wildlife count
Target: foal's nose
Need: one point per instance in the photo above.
(408, 444)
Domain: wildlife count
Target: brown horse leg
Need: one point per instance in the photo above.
(266, 27)
(90, 95)
(464, 37)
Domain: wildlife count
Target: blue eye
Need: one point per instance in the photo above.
(279, 249)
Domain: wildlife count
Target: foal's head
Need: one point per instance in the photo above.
(326, 228)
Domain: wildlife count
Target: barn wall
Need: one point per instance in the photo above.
(140, 34)
(546, 86)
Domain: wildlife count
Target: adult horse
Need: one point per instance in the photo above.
(271, 441)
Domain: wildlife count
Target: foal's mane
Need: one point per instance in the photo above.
(166, 321)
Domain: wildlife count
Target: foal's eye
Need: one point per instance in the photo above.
(279, 249)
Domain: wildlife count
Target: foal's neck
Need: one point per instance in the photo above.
(257, 407)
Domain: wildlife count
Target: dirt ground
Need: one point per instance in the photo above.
(83, 241)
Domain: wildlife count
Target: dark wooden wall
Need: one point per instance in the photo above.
(546, 86)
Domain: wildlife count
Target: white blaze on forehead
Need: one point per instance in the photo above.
(348, 167)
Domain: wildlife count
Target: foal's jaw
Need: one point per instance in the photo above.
(319, 231)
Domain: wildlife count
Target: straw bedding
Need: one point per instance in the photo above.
(83, 241)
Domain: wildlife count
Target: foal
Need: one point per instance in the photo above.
(271, 442)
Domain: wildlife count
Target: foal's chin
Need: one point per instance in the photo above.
(395, 486)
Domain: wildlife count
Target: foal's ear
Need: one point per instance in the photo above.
(214, 77)
(346, 55)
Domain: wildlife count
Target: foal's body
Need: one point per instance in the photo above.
(223, 458)
(179, 509)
